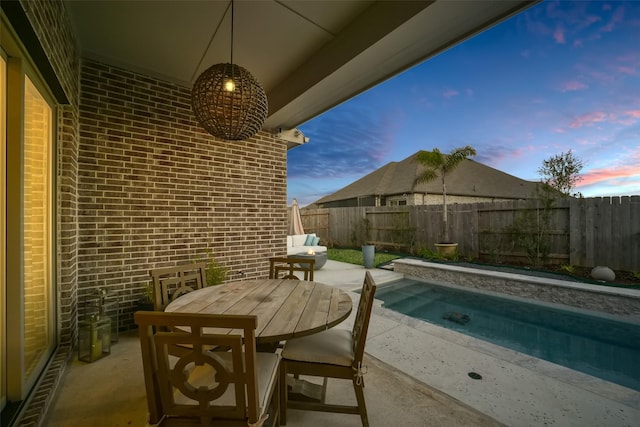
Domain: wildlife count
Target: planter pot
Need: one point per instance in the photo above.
(144, 306)
(447, 250)
(368, 252)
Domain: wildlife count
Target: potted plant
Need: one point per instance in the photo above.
(437, 165)
(146, 301)
(216, 273)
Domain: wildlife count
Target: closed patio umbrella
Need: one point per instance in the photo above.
(295, 221)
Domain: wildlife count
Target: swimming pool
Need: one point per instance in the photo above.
(596, 345)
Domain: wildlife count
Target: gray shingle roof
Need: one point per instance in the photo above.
(470, 178)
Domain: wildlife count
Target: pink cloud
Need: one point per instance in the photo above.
(599, 76)
(558, 35)
(582, 141)
(616, 18)
(599, 176)
(629, 63)
(450, 93)
(578, 25)
(626, 118)
(630, 59)
(629, 117)
(572, 86)
(627, 70)
(588, 119)
(630, 168)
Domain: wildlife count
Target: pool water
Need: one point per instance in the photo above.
(596, 345)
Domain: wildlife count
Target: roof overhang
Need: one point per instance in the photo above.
(308, 55)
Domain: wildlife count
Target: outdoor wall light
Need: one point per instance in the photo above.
(228, 101)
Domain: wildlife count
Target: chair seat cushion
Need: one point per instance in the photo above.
(203, 376)
(333, 346)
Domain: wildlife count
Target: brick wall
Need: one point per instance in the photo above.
(50, 22)
(154, 189)
(141, 185)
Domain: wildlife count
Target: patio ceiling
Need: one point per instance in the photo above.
(309, 55)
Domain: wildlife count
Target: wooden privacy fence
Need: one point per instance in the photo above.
(581, 232)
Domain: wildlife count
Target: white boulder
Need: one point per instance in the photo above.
(603, 273)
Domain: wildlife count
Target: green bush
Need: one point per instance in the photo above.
(216, 273)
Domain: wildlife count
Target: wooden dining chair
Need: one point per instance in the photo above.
(289, 265)
(238, 387)
(171, 282)
(334, 353)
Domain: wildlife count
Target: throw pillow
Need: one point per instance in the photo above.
(316, 240)
(309, 241)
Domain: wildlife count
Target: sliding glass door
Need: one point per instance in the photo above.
(27, 308)
(37, 222)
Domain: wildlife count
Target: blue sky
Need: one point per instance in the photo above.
(562, 75)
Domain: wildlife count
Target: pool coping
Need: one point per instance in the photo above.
(617, 302)
(516, 389)
(513, 381)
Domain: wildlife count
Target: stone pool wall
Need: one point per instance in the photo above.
(610, 300)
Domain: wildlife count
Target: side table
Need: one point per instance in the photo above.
(320, 257)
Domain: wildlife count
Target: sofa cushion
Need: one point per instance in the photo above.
(298, 239)
(289, 241)
(315, 242)
(309, 240)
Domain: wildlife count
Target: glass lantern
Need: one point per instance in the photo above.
(104, 304)
(94, 338)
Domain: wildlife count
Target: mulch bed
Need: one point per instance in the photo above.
(625, 279)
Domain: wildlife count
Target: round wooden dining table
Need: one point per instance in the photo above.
(284, 308)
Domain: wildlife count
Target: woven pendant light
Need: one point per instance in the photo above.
(228, 101)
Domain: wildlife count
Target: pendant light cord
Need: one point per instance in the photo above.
(213, 36)
(232, 31)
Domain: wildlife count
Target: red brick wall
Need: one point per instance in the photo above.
(154, 189)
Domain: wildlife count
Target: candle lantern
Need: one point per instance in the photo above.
(94, 338)
(104, 304)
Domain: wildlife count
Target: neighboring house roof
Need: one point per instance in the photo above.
(470, 178)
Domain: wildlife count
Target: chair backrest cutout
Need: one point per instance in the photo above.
(201, 384)
(171, 282)
(289, 265)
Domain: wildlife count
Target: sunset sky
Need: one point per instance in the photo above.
(562, 75)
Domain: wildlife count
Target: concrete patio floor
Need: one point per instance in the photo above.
(110, 392)
(418, 376)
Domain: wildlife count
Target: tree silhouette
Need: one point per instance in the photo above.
(562, 172)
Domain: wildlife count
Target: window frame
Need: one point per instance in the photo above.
(19, 67)
(3, 223)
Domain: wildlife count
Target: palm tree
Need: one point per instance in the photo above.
(438, 164)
